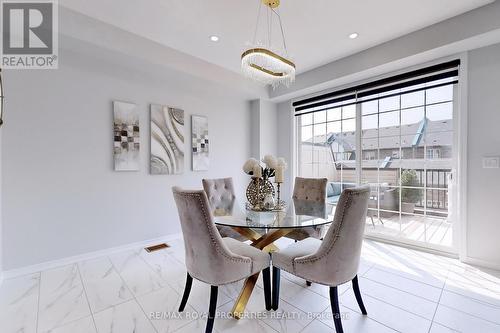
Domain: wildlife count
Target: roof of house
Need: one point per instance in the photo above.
(431, 133)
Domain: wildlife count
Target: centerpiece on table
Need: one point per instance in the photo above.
(261, 194)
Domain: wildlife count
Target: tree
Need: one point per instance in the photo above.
(410, 195)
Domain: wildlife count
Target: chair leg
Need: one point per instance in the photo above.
(187, 290)
(266, 275)
(373, 223)
(308, 283)
(357, 293)
(212, 308)
(334, 301)
(276, 288)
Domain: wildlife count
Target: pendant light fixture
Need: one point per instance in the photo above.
(264, 62)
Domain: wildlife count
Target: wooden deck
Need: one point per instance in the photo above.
(437, 231)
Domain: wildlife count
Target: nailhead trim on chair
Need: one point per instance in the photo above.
(345, 206)
(212, 237)
(336, 231)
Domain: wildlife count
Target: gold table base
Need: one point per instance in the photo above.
(262, 242)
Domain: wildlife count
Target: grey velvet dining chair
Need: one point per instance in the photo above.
(333, 261)
(209, 257)
(220, 193)
(309, 190)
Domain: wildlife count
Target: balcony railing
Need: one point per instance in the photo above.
(436, 185)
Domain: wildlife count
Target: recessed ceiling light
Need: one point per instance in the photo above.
(214, 38)
(354, 35)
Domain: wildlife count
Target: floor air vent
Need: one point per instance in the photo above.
(156, 247)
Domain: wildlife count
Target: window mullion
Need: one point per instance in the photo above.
(359, 150)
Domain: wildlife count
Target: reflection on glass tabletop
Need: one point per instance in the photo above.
(299, 214)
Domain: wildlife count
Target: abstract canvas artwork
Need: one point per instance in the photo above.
(167, 140)
(200, 144)
(126, 145)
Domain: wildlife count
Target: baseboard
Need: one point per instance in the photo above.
(482, 263)
(86, 256)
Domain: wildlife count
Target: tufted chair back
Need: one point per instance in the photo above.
(310, 189)
(337, 259)
(220, 193)
(310, 208)
(208, 258)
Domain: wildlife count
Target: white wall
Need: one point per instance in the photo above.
(284, 141)
(255, 128)
(1, 220)
(483, 228)
(268, 125)
(264, 126)
(61, 196)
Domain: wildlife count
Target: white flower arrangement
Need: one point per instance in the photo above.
(270, 161)
(249, 166)
(272, 166)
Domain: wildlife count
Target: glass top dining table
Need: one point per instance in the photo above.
(263, 228)
(298, 214)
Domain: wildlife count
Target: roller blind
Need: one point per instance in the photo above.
(406, 83)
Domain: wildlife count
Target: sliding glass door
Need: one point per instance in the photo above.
(407, 145)
(401, 142)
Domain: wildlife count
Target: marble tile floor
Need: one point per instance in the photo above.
(138, 292)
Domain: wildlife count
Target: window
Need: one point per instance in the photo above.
(395, 134)
(327, 141)
(433, 153)
(369, 155)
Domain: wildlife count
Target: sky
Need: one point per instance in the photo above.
(384, 112)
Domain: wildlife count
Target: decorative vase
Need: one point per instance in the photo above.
(268, 203)
(258, 189)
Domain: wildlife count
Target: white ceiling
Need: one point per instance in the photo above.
(316, 30)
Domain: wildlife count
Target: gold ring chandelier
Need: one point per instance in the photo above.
(263, 63)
